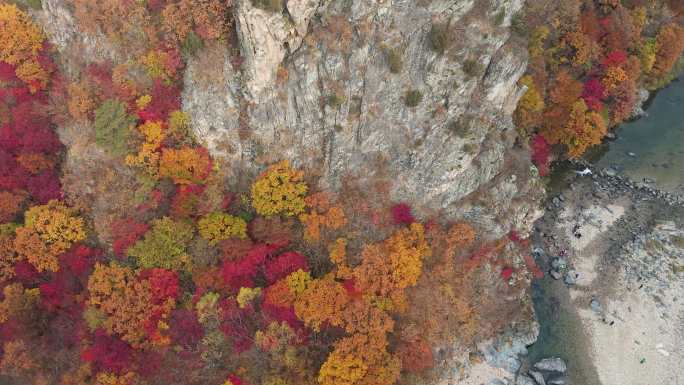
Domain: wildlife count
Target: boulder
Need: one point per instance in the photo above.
(571, 277)
(538, 377)
(555, 364)
(559, 381)
(559, 263)
(524, 380)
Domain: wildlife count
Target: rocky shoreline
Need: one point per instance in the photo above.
(615, 249)
(609, 180)
(613, 253)
(608, 246)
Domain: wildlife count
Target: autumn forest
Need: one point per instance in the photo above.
(269, 281)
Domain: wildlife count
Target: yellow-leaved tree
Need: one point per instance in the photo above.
(279, 190)
(48, 231)
(22, 41)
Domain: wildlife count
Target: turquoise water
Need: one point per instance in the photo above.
(560, 332)
(656, 142)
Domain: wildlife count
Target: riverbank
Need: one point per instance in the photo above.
(615, 251)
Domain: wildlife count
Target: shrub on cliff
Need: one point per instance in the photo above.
(439, 38)
(269, 5)
(394, 60)
(413, 98)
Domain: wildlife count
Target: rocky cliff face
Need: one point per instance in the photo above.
(315, 86)
(357, 89)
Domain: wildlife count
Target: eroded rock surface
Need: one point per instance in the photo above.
(328, 101)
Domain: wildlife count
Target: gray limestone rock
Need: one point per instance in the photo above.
(339, 111)
(524, 380)
(559, 381)
(505, 351)
(538, 377)
(570, 277)
(551, 365)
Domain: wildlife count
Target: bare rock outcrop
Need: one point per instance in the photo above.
(266, 37)
(438, 126)
(61, 28)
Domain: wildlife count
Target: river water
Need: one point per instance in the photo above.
(650, 148)
(653, 147)
(561, 333)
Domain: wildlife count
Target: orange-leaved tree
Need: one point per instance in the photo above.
(321, 302)
(204, 18)
(22, 41)
(388, 268)
(583, 129)
(186, 165)
(134, 306)
(320, 216)
(669, 48)
(48, 231)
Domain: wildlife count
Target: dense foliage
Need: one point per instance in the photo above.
(202, 277)
(586, 67)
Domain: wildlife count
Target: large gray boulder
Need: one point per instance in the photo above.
(524, 380)
(555, 364)
(538, 377)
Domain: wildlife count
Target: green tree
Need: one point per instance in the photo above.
(113, 127)
(164, 245)
(216, 227)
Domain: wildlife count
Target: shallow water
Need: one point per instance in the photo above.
(655, 141)
(561, 333)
